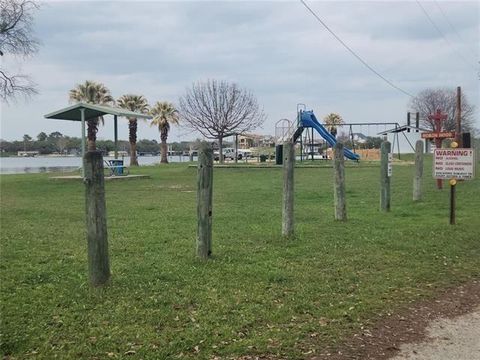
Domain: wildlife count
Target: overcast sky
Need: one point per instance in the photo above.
(278, 50)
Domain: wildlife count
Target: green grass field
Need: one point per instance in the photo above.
(260, 294)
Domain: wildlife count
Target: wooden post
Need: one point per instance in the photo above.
(384, 178)
(288, 189)
(96, 219)
(417, 179)
(339, 183)
(204, 201)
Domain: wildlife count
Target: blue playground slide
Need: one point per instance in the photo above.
(308, 119)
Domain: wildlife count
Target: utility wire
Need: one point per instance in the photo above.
(354, 53)
(441, 33)
(454, 29)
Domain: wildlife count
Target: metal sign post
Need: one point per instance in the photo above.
(454, 164)
(453, 184)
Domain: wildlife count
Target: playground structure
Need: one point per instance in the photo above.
(303, 133)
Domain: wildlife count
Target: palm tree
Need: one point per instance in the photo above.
(136, 103)
(93, 93)
(333, 120)
(164, 114)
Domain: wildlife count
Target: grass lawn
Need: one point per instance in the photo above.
(260, 294)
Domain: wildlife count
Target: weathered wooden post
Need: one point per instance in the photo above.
(385, 171)
(204, 201)
(339, 183)
(288, 189)
(417, 179)
(96, 219)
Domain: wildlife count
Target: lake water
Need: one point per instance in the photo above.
(43, 164)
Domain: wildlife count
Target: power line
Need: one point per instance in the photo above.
(441, 33)
(453, 28)
(353, 52)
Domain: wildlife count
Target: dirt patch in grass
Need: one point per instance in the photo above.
(383, 339)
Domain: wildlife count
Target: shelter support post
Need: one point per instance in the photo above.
(115, 131)
(396, 138)
(82, 117)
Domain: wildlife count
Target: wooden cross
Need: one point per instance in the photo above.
(438, 118)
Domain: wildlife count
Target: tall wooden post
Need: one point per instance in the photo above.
(339, 182)
(204, 201)
(458, 118)
(417, 179)
(288, 189)
(96, 219)
(384, 178)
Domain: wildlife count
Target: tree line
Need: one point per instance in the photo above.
(57, 143)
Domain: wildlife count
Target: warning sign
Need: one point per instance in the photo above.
(438, 135)
(453, 163)
(389, 168)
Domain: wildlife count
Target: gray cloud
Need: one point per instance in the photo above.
(275, 49)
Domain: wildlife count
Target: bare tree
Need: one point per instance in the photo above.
(430, 100)
(218, 109)
(16, 39)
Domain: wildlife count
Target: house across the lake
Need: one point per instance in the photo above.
(121, 153)
(247, 141)
(27, 153)
(359, 138)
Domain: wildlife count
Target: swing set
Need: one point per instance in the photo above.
(310, 144)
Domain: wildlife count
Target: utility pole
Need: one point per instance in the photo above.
(458, 118)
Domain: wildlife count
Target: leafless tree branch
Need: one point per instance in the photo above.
(218, 109)
(430, 100)
(16, 38)
(11, 85)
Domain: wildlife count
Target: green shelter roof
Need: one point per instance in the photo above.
(92, 111)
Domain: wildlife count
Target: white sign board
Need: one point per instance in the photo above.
(453, 163)
(389, 168)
